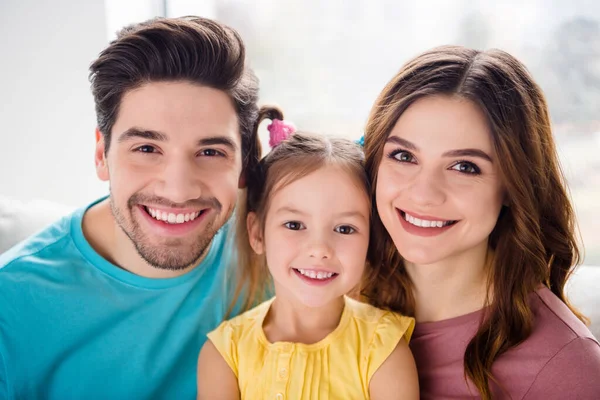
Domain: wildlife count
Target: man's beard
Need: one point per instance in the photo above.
(174, 254)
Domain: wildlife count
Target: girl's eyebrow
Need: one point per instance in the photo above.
(343, 214)
(289, 209)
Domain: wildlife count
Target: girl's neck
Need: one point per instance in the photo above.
(290, 321)
(451, 287)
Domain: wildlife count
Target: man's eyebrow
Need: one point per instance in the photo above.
(218, 140)
(149, 134)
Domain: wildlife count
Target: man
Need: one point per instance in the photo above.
(114, 301)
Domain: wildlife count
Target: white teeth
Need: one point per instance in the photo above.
(316, 275)
(172, 218)
(423, 223)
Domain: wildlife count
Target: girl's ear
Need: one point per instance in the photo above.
(255, 233)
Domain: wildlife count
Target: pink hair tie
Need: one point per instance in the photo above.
(279, 131)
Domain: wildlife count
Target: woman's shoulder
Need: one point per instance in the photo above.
(555, 324)
(561, 353)
(560, 345)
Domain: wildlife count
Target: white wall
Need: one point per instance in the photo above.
(47, 115)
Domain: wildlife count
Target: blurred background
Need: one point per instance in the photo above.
(323, 62)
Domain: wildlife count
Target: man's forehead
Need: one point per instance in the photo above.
(178, 110)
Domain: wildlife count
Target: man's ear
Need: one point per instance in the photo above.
(242, 180)
(255, 233)
(100, 157)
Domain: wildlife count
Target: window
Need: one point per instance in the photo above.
(325, 62)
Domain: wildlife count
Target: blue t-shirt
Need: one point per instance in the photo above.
(74, 326)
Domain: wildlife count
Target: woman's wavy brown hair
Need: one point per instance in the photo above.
(534, 240)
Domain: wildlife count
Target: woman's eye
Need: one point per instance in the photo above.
(466, 168)
(345, 229)
(293, 225)
(402, 156)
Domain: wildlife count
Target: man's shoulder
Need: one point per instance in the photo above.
(50, 243)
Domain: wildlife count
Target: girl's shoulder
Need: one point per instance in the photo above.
(375, 334)
(243, 323)
(374, 322)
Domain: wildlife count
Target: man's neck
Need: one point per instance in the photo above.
(108, 239)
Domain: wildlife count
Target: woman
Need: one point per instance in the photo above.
(476, 230)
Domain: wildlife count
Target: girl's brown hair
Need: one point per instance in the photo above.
(534, 240)
(292, 159)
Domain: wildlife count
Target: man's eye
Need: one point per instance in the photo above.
(146, 149)
(211, 153)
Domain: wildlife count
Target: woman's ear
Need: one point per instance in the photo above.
(255, 233)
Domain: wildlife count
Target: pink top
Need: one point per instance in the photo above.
(560, 360)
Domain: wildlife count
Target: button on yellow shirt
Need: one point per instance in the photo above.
(338, 367)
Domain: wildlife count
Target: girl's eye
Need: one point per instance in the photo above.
(466, 168)
(345, 229)
(402, 156)
(146, 149)
(294, 225)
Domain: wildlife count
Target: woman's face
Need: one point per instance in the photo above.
(438, 190)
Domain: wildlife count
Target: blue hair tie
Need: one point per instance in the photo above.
(361, 141)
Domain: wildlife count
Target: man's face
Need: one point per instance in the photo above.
(174, 164)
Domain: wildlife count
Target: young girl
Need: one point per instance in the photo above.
(476, 230)
(307, 221)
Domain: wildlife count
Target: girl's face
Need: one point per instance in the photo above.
(316, 236)
(438, 191)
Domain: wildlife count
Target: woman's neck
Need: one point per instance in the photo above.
(290, 321)
(451, 287)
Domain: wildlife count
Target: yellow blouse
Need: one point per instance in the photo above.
(338, 367)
